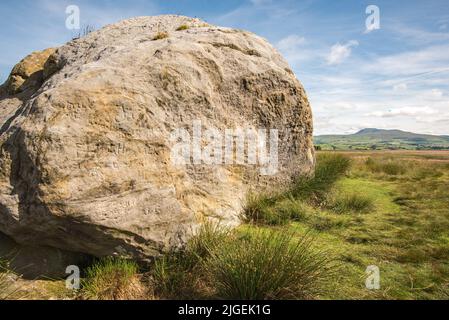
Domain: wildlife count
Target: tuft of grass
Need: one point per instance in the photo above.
(323, 222)
(330, 168)
(219, 263)
(160, 35)
(112, 279)
(183, 27)
(177, 275)
(7, 289)
(258, 208)
(265, 210)
(169, 276)
(209, 236)
(389, 167)
(266, 265)
(291, 210)
(355, 202)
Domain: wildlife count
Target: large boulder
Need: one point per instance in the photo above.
(88, 153)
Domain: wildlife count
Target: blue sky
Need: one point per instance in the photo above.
(393, 77)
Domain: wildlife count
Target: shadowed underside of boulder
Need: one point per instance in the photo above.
(85, 162)
(39, 262)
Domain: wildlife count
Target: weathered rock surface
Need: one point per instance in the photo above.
(85, 161)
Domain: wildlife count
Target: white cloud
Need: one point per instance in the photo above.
(411, 84)
(339, 52)
(404, 112)
(433, 95)
(345, 105)
(400, 87)
(295, 49)
(332, 81)
(420, 36)
(290, 43)
(437, 93)
(427, 61)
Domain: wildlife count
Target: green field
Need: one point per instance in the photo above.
(406, 234)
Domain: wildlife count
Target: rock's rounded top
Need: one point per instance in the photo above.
(143, 35)
(167, 22)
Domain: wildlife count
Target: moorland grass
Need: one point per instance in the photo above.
(112, 279)
(352, 203)
(292, 204)
(242, 264)
(405, 233)
(389, 166)
(273, 210)
(179, 274)
(330, 168)
(267, 265)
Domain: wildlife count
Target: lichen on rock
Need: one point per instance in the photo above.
(28, 73)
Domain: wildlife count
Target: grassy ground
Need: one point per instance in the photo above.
(313, 240)
(406, 234)
(388, 209)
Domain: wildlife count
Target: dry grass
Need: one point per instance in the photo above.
(8, 283)
(161, 35)
(113, 279)
(183, 27)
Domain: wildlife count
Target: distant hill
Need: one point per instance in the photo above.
(377, 139)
